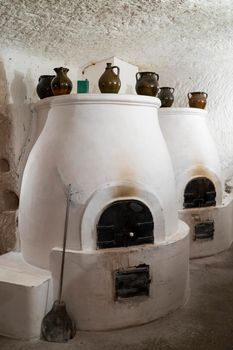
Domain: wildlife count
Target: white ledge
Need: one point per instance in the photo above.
(182, 110)
(136, 100)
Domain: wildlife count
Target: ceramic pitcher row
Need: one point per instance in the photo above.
(147, 83)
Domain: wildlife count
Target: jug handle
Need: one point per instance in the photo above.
(189, 95)
(157, 76)
(138, 74)
(206, 94)
(172, 90)
(117, 68)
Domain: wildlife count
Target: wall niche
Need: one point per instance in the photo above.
(4, 165)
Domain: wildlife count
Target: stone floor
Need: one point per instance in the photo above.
(205, 323)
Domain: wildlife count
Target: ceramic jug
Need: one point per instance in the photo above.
(197, 99)
(61, 84)
(166, 96)
(43, 88)
(147, 83)
(109, 82)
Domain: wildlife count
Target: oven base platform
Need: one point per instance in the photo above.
(91, 288)
(221, 217)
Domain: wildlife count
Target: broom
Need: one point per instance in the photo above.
(56, 325)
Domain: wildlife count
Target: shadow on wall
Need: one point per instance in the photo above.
(22, 89)
(18, 89)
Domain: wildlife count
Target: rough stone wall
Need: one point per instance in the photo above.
(9, 181)
(8, 174)
(19, 75)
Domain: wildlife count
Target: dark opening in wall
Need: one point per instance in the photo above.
(8, 200)
(4, 165)
(199, 192)
(125, 223)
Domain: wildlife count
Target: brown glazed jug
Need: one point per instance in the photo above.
(147, 83)
(197, 99)
(166, 96)
(43, 88)
(109, 82)
(61, 84)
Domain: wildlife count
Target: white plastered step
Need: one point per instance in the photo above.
(25, 297)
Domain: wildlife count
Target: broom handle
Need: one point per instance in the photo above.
(68, 199)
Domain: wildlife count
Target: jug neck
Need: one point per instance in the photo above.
(61, 71)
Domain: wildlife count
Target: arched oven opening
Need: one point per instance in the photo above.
(125, 223)
(199, 192)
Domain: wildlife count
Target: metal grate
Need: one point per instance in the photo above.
(133, 282)
(204, 230)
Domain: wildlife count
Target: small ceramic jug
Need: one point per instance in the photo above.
(61, 84)
(166, 96)
(147, 83)
(197, 99)
(109, 82)
(43, 88)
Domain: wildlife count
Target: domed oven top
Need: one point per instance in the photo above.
(111, 150)
(194, 156)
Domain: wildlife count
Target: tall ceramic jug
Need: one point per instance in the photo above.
(61, 84)
(109, 81)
